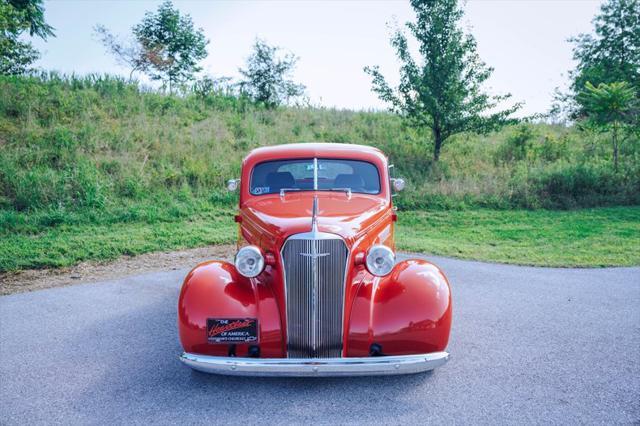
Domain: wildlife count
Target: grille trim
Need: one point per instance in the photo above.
(313, 329)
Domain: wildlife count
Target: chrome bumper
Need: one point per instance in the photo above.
(369, 366)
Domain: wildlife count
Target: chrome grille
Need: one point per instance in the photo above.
(314, 280)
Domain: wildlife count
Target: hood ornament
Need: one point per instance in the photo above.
(314, 255)
(314, 215)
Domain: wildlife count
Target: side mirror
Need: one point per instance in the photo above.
(398, 184)
(232, 184)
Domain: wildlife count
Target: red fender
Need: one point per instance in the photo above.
(406, 312)
(216, 290)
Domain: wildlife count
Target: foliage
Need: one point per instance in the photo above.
(16, 18)
(167, 47)
(94, 167)
(128, 53)
(612, 107)
(443, 92)
(610, 55)
(267, 76)
(210, 86)
(97, 143)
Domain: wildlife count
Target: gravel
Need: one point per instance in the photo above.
(94, 271)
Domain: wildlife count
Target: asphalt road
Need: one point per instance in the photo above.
(529, 345)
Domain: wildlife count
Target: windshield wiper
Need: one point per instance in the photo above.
(283, 190)
(347, 190)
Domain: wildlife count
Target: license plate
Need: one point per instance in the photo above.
(232, 330)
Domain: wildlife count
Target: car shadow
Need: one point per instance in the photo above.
(137, 373)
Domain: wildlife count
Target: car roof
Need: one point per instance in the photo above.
(315, 149)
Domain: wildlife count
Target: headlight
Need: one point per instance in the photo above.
(380, 260)
(249, 261)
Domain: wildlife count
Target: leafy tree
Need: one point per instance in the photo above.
(612, 107)
(167, 47)
(128, 53)
(610, 55)
(267, 76)
(16, 18)
(443, 92)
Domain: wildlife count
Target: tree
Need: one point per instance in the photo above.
(610, 55)
(612, 107)
(16, 18)
(267, 76)
(127, 53)
(167, 47)
(443, 92)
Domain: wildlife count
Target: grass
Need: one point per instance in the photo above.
(66, 245)
(579, 238)
(584, 238)
(86, 143)
(95, 167)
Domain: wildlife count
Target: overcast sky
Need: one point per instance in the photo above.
(525, 41)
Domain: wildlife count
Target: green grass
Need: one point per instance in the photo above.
(593, 237)
(85, 143)
(66, 245)
(582, 238)
(94, 167)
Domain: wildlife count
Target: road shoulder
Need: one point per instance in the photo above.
(86, 272)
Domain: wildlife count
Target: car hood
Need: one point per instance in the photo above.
(337, 213)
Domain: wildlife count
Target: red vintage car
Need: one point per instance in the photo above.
(315, 289)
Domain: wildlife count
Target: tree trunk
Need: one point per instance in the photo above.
(437, 143)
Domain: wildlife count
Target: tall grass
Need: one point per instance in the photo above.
(97, 148)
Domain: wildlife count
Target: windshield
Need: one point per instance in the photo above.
(315, 174)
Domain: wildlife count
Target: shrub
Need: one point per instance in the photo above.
(98, 143)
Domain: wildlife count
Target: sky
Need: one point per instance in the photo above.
(525, 41)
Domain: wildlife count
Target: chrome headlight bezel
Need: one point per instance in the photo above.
(249, 261)
(380, 260)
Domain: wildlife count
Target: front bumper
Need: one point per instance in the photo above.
(369, 366)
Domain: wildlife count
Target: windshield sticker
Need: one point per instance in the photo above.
(261, 190)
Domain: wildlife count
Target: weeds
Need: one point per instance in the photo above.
(97, 153)
(94, 141)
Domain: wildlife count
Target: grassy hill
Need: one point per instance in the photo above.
(96, 155)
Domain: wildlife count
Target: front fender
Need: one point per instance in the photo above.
(216, 290)
(407, 312)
